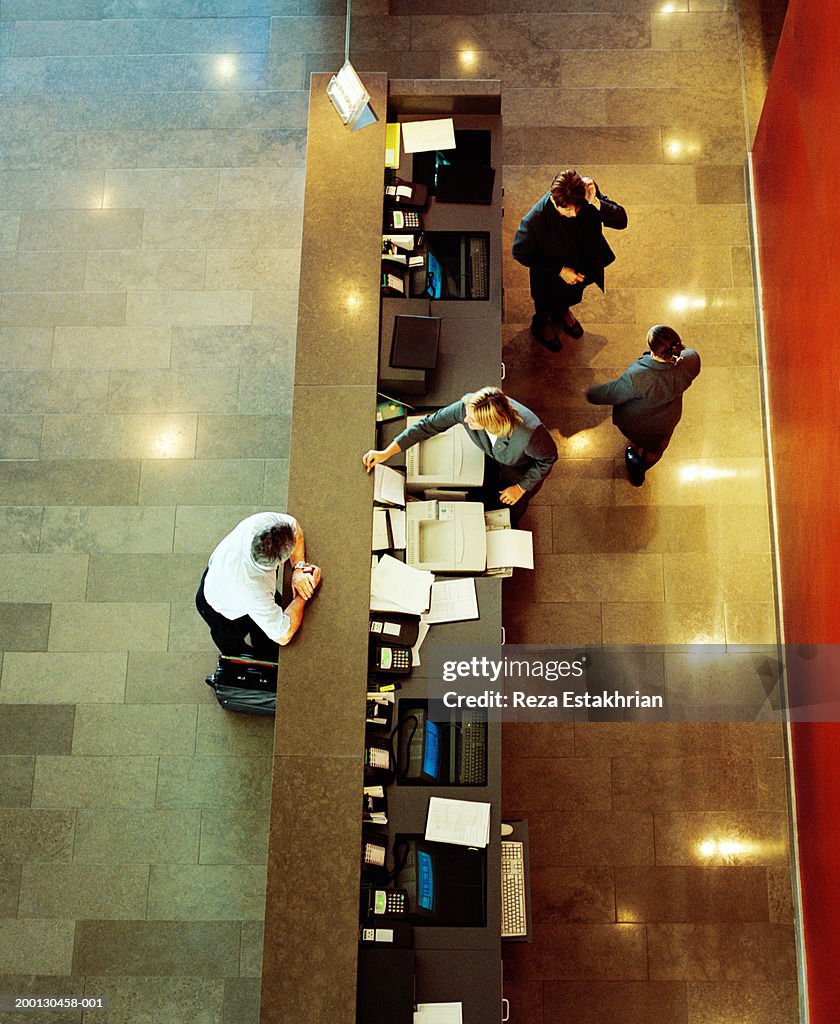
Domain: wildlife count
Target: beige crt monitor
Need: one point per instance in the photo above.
(449, 459)
(446, 536)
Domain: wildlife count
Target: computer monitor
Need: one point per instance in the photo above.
(445, 885)
(419, 747)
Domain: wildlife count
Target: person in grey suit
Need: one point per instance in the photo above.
(647, 398)
(519, 448)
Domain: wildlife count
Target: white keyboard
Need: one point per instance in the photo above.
(514, 918)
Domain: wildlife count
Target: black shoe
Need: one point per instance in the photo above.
(574, 331)
(539, 328)
(635, 467)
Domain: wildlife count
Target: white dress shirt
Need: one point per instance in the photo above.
(236, 585)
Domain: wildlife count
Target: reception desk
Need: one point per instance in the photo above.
(312, 896)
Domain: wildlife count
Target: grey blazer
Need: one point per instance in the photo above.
(647, 397)
(524, 458)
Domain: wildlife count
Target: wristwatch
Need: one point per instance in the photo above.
(299, 565)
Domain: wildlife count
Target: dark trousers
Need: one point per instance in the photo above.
(229, 634)
(552, 296)
(494, 482)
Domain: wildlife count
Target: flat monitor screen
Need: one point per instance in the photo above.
(425, 881)
(434, 277)
(431, 751)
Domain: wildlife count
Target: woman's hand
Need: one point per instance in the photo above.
(510, 495)
(373, 458)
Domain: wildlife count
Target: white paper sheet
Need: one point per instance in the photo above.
(452, 601)
(424, 135)
(395, 586)
(510, 547)
(388, 485)
(462, 822)
(439, 1013)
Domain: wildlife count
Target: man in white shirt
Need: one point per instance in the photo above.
(237, 596)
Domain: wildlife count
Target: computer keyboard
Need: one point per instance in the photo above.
(479, 267)
(514, 917)
(472, 750)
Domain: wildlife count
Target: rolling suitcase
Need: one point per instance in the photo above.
(245, 684)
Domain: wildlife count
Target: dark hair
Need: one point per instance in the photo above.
(568, 189)
(664, 342)
(273, 544)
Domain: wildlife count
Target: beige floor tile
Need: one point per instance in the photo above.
(251, 268)
(257, 188)
(710, 481)
(63, 309)
(117, 271)
(592, 951)
(27, 348)
(652, 623)
(112, 347)
(709, 577)
(120, 437)
(683, 783)
(686, 107)
(69, 481)
(106, 528)
(109, 627)
(723, 952)
(103, 891)
(168, 391)
(200, 481)
(134, 729)
(683, 894)
(43, 578)
(695, 31)
(9, 230)
(39, 678)
(188, 633)
(251, 954)
(169, 678)
(221, 229)
(51, 391)
(116, 577)
(206, 892)
(177, 998)
(750, 623)
(597, 577)
(750, 1002)
(46, 943)
(569, 895)
(236, 347)
(538, 107)
(134, 188)
(671, 739)
(77, 781)
(217, 731)
(620, 69)
(60, 189)
(80, 229)
(41, 271)
(712, 838)
(217, 781)
(134, 836)
(230, 437)
(233, 836)
(187, 307)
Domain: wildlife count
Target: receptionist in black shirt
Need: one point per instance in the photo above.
(519, 445)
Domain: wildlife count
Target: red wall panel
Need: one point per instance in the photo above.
(796, 163)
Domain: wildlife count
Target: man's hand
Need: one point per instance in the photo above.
(510, 495)
(592, 193)
(571, 276)
(305, 580)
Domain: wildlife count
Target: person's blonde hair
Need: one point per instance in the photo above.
(492, 411)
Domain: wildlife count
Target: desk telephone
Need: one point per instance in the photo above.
(391, 639)
(403, 220)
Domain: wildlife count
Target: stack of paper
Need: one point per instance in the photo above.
(396, 587)
(438, 1013)
(388, 485)
(452, 601)
(388, 529)
(509, 548)
(462, 822)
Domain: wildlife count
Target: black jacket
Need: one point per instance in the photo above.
(547, 241)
